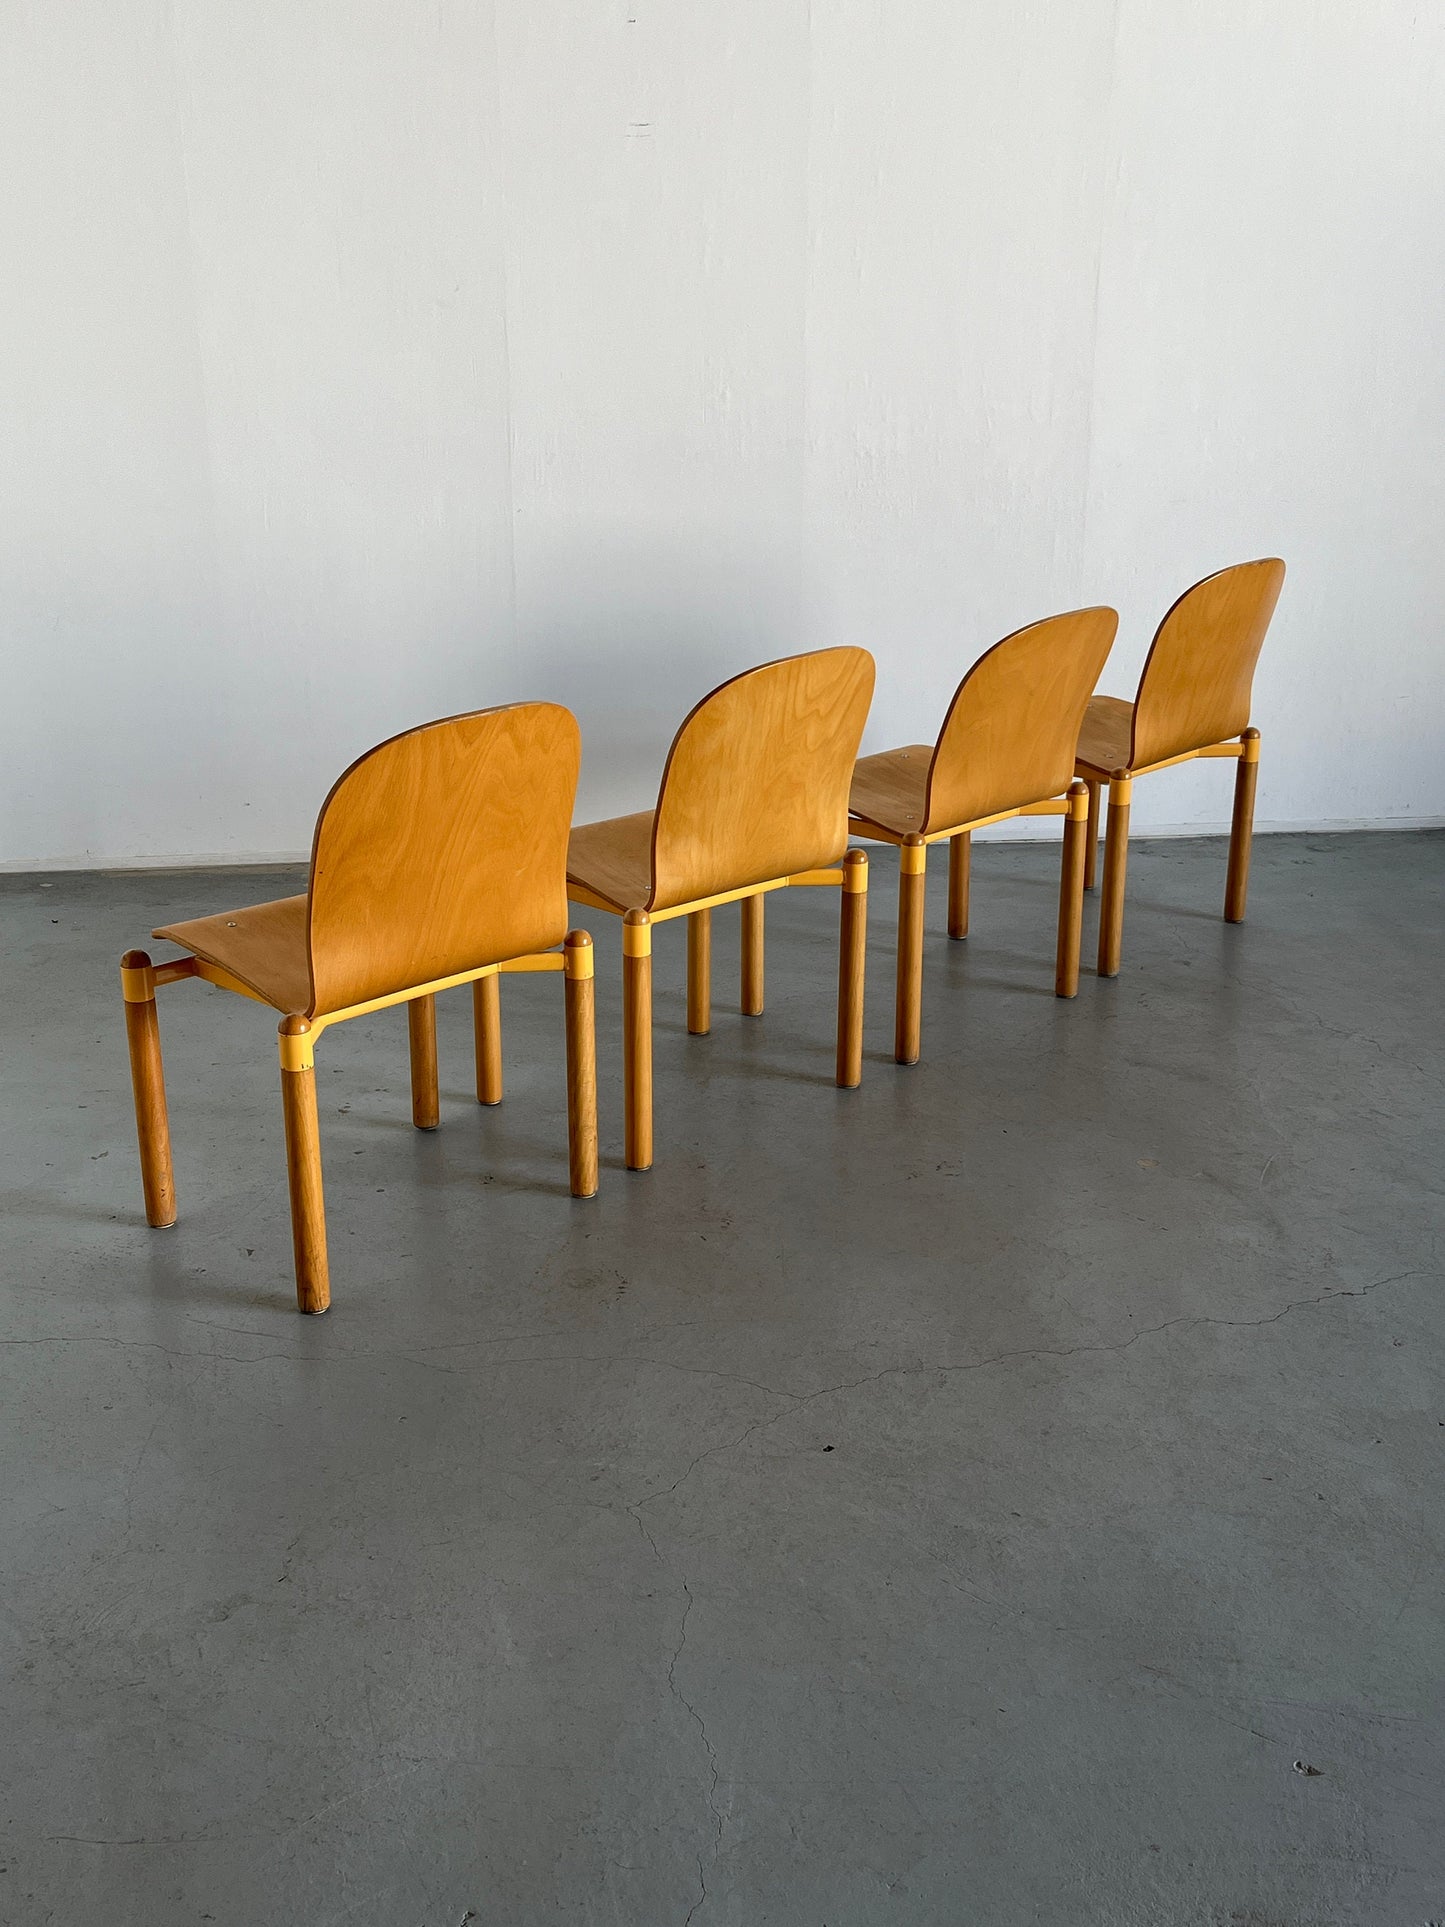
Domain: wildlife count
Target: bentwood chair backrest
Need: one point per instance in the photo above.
(1013, 726)
(1195, 689)
(756, 783)
(441, 850)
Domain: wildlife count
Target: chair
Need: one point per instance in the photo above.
(439, 859)
(1006, 749)
(754, 798)
(1194, 694)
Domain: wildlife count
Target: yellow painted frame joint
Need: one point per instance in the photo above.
(1078, 802)
(637, 934)
(578, 958)
(297, 1041)
(855, 873)
(1249, 746)
(913, 857)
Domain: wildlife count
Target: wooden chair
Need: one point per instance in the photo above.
(439, 859)
(754, 797)
(1006, 749)
(1193, 696)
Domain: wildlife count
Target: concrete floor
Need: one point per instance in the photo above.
(961, 1500)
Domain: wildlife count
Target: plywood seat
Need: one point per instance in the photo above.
(754, 797)
(263, 947)
(1006, 748)
(890, 790)
(1193, 700)
(1105, 740)
(439, 860)
(613, 860)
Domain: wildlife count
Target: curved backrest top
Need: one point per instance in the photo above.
(1195, 689)
(443, 849)
(756, 783)
(1012, 728)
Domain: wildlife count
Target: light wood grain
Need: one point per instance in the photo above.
(580, 994)
(487, 1034)
(1071, 898)
(1116, 857)
(852, 962)
(960, 848)
(908, 1005)
(421, 1029)
(148, 1087)
(303, 1171)
(637, 1043)
(699, 973)
(1246, 776)
(753, 912)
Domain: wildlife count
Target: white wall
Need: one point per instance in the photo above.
(364, 360)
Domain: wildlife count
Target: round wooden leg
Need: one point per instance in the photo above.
(581, 1066)
(852, 958)
(303, 1171)
(487, 1024)
(699, 972)
(1091, 849)
(421, 1025)
(908, 1009)
(148, 1086)
(637, 1038)
(1071, 893)
(959, 849)
(1116, 858)
(1241, 834)
(752, 936)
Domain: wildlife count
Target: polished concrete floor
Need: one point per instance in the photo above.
(1011, 1492)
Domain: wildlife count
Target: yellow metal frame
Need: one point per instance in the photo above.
(637, 934)
(1066, 805)
(298, 1047)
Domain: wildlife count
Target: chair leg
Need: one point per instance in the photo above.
(637, 1038)
(852, 955)
(581, 1066)
(303, 1168)
(908, 1008)
(1116, 858)
(1241, 834)
(1071, 893)
(487, 1023)
(421, 1025)
(752, 998)
(959, 852)
(148, 1084)
(699, 973)
(1091, 848)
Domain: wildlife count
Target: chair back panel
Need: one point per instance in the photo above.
(1195, 689)
(756, 783)
(1013, 726)
(441, 850)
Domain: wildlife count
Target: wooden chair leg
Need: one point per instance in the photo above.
(908, 1008)
(303, 1167)
(1241, 834)
(699, 972)
(637, 1038)
(421, 1025)
(1091, 848)
(581, 1066)
(752, 998)
(148, 1084)
(1116, 858)
(487, 1023)
(1071, 893)
(852, 956)
(960, 849)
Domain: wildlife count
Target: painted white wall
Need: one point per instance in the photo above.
(363, 361)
